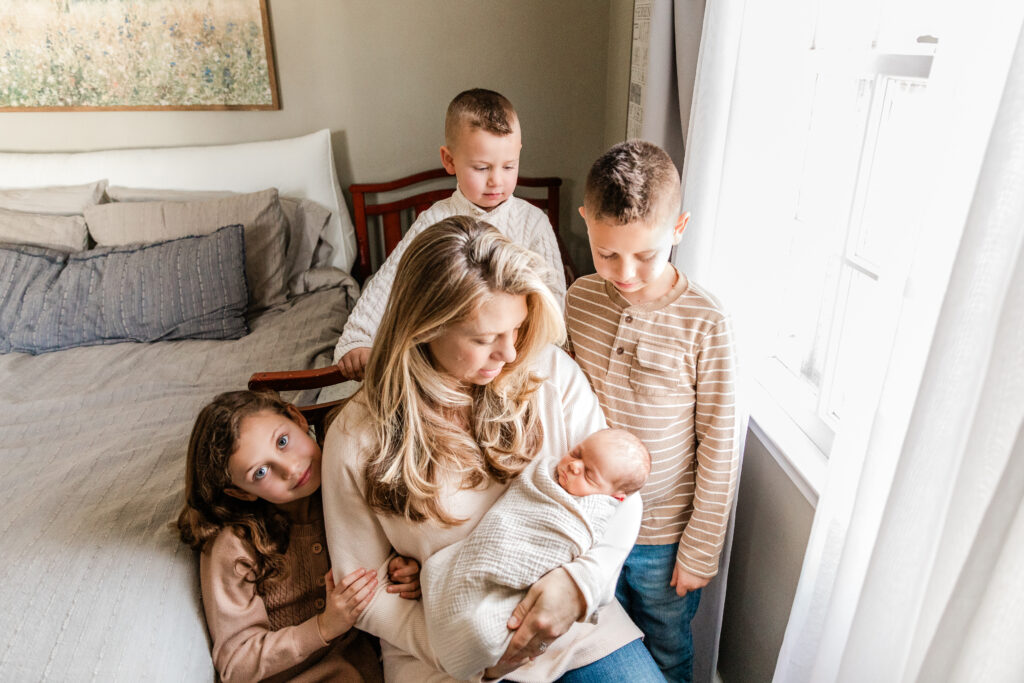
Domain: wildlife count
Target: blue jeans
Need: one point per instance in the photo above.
(652, 604)
(630, 662)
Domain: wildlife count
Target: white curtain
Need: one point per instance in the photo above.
(914, 565)
(913, 570)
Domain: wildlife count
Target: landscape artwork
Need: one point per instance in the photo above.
(135, 54)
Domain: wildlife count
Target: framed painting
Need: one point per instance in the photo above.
(86, 55)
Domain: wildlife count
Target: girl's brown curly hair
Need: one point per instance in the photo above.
(208, 509)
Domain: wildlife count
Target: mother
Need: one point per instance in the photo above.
(462, 389)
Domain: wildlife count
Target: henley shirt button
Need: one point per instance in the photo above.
(619, 351)
(321, 581)
(319, 603)
(629, 318)
(317, 548)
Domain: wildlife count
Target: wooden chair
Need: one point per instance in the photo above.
(391, 215)
(391, 212)
(297, 380)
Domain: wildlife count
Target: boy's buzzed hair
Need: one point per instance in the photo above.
(479, 108)
(631, 182)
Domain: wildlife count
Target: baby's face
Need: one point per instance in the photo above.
(590, 468)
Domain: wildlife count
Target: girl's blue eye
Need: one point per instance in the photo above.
(260, 472)
(282, 441)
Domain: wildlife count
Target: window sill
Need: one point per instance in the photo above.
(797, 455)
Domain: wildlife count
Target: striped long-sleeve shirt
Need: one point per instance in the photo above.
(664, 370)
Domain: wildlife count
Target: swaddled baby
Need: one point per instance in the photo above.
(550, 514)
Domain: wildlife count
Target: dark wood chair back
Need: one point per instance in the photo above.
(297, 380)
(391, 213)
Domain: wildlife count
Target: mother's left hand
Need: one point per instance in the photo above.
(550, 608)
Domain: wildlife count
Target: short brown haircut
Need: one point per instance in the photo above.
(633, 181)
(479, 108)
(631, 448)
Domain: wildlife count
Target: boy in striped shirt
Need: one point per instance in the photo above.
(658, 352)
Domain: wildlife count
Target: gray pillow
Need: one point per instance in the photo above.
(188, 288)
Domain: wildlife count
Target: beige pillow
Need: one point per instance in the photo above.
(66, 233)
(260, 212)
(67, 200)
(306, 222)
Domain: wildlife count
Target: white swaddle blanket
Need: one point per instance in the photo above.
(471, 587)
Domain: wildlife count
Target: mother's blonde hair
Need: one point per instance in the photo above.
(446, 273)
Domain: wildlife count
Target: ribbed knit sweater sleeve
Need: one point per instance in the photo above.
(539, 237)
(361, 327)
(244, 646)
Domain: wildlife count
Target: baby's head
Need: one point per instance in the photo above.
(631, 207)
(245, 446)
(611, 461)
(481, 148)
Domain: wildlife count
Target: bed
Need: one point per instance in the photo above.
(95, 584)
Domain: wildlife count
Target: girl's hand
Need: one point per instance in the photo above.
(345, 602)
(550, 607)
(404, 574)
(684, 582)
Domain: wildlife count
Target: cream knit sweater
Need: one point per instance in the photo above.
(361, 537)
(516, 218)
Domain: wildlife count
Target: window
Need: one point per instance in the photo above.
(829, 160)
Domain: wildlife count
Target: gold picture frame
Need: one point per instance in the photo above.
(145, 55)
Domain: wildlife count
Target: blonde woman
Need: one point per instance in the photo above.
(462, 388)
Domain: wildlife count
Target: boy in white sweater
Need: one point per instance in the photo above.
(482, 145)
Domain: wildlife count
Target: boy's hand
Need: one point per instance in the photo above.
(353, 363)
(345, 602)
(685, 582)
(404, 574)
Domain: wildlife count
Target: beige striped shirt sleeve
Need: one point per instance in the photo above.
(717, 462)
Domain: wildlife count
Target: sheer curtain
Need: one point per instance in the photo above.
(913, 568)
(932, 599)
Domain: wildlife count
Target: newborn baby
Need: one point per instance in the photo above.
(550, 514)
(611, 461)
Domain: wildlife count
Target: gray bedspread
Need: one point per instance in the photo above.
(94, 585)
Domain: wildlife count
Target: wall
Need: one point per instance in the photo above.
(773, 523)
(379, 74)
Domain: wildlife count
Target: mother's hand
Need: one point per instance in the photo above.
(550, 607)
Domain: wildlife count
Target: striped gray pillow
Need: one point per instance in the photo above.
(188, 288)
